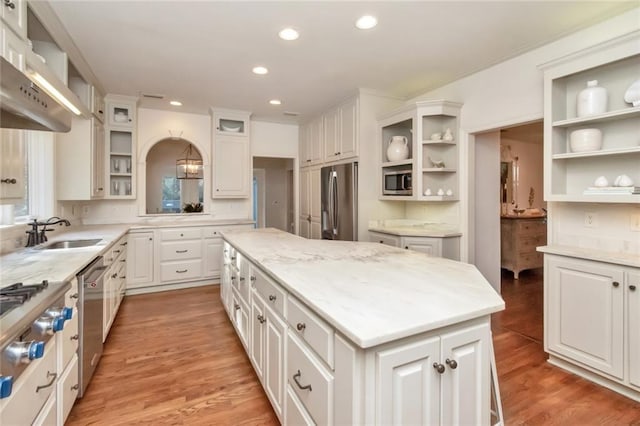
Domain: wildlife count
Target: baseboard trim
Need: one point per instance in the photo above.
(155, 288)
(594, 377)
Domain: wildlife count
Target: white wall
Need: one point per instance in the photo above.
(274, 139)
(511, 92)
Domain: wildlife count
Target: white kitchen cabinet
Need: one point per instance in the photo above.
(379, 237)
(633, 334)
(67, 390)
(310, 203)
(231, 154)
(592, 320)
(12, 164)
(115, 260)
(80, 173)
(140, 259)
(341, 131)
(256, 348)
(48, 416)
(240, 318)
(12, 47)
(578, 293)
(448, 247)
(98, 106)
(568, 174)
(121, 146)
(448, 372)
(311, 142)
(14, 15)
(212, 257)
(231, 167)
(433, 161)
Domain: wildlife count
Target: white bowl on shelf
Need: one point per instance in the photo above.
(230, 128)
(584, 140)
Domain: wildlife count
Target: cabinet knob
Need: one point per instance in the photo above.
(301, 326)
(9, 180)
(632, 287)
(451, 363)
(75, 387)
(9, 4)
(439, 367)
(381, 242)
(75, 337)
(236, 306)
(261, 319)
(74, 296)
(616, 284)
(253, 278)
(272, 298)
(406, 247)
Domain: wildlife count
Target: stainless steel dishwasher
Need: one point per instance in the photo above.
(91, 289)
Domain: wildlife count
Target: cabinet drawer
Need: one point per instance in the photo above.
(530, 260)
(529, 244)
(24, 394)
(296, 413)
(390, 240)
(314, 331)
(211, 232)
(180, 234)
(531, 228)
(177, 250)
(68, 388)
(180, 271)
(273, 295)
(303, 370)
(68, 340)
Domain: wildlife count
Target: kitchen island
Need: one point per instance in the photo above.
(360, 333)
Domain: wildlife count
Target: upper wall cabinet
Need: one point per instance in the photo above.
(12, 183)
(311, 137)
(121, 146)
(341, 132)
(419, 152)
(231, 123)
(612, 144)
(14, 14)
(231, 154)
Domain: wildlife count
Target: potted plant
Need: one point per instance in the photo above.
(192, 208)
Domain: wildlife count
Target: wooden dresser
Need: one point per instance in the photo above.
(519, 237)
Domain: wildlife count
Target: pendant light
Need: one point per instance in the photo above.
(189, 167)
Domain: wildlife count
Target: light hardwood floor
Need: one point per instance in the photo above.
(174, 358)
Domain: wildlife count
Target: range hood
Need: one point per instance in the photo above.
(24, 105)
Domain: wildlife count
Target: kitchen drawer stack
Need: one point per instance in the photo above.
(519, 239)
(313, 374)
(67, 343)
(180, 254)
(115, 282)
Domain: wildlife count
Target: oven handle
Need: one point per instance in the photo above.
(405, 179)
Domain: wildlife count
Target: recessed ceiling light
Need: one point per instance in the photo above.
(289, 34)
(260, 70)
(275, 102)
(176, 103)
(366, 22)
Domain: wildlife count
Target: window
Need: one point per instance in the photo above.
(171, 195)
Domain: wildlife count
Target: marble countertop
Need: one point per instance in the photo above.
(625, 259)
(413, 228)
(370, 292)
(29, 265)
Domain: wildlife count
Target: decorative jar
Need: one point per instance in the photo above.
(592, 100)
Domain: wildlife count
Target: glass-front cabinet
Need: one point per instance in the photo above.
(121, 146)
(231, 123)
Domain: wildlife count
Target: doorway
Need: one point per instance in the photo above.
(273, 200)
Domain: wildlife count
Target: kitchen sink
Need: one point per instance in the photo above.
(67, 244)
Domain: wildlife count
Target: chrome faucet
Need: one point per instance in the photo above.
(39, 236)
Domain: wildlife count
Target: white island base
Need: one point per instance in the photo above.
(350, 333)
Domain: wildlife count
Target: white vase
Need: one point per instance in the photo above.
(398, 148)
(632, 95)
(592, 100)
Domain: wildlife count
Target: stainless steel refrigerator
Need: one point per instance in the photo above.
(340, 202)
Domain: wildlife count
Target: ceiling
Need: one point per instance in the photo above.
(202, 52)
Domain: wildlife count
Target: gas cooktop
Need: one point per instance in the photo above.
(17, 294)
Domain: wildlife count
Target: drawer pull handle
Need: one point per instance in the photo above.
(233, 258)
(632, 287)
(75, 387)
(53, 379)
(616, 284)
(236, 306)
(9, 4)
(261, 319)
(114, 275)
(295, 379)
(75, 337)
(301, 326)
(124, 244)
(241, 278)
(74, 296)
(439, 367)
(272, 298)
(181, 271)
(181, 251)
(451, 363)
(116, 251)
(253, 278)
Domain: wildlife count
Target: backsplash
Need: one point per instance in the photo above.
(595, 226)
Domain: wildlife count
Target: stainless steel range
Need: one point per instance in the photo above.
(30, 315)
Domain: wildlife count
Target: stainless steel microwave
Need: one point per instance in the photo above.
(397, 182)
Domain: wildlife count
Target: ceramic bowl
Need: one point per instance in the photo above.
(585, 140)
(230, 128)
